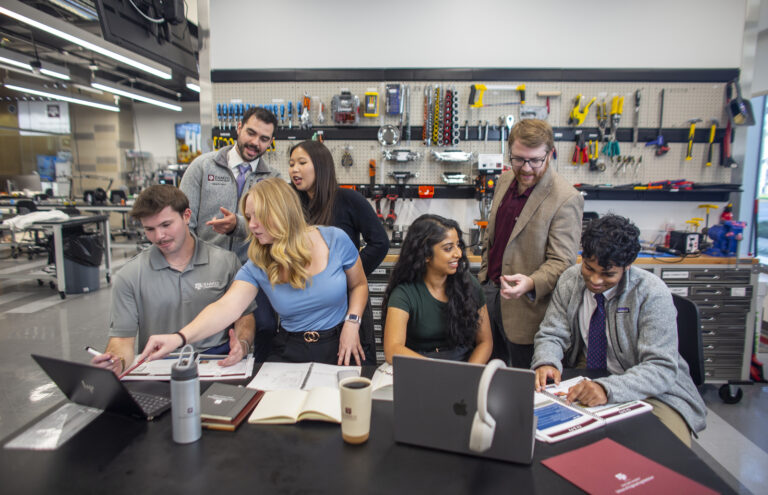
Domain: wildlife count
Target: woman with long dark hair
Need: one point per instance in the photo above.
(435, 307)
(313, 176)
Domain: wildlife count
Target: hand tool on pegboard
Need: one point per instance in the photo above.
(436, 116)
(739, 109)
(595, 163)
(389, 221)
(711, 141)
(580, 154)
(509, 122)
(691, 135)
(378, 194)
(407, 112)
(426, 130)
(477, 91)
(548, 95)
(533, 112)
(601, 113)
(612, 148)
(502, 126)
(290, 115)
(578, 114)
(372, 172)
(455, 116)
(447, 118)
(725, 148)
(394, 95)
(306, 118)
(660, 143)
(637, 118)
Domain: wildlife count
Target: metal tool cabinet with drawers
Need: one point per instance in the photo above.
(724, 296)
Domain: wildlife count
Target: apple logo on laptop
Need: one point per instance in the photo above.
(460, 408)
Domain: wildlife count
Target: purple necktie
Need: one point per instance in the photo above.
(596, 348)
(244, 168)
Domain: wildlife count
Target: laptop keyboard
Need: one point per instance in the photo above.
(150, 404)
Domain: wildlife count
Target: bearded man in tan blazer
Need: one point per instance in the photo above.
(533, 235)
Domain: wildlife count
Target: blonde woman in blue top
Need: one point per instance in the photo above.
(312, 276)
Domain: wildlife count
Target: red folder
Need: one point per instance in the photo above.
(606, 467)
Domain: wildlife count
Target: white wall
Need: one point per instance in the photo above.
(478, 33)
(760, 82)
(154, 129)
(654, 34)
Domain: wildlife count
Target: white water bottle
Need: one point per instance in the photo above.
(185, 397)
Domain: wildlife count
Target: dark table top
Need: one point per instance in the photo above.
(120, 455)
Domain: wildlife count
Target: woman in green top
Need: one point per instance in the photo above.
(435, 307)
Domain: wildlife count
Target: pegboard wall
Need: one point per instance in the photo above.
(683, 101)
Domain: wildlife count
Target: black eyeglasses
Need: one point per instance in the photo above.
(519, 162)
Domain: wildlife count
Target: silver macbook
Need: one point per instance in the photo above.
(97, 387)
(435, 402)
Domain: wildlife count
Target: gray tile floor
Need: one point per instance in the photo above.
(34, 319)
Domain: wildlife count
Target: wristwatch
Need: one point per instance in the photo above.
(353, 318)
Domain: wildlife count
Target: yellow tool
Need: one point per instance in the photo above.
(694, 223)
(617, 108)
(712, 130)
(578, 114)
(691, 134)
(371, 104)
(707, 207)
(476, 92)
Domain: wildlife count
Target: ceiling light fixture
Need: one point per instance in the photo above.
(15, 59)
(51, 25)
(50, 70)
(58, 95)
(134, 94)
(22, 61)
(193, 84)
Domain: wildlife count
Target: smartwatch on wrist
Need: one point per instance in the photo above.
(353, 318)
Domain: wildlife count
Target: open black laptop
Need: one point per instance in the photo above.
(435, 401)
(100, 388)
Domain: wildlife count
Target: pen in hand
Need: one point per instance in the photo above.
(93, 352)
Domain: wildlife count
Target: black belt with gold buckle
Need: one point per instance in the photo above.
(313, 336)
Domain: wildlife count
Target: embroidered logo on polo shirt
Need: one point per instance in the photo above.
(218, 178)
(206, 285)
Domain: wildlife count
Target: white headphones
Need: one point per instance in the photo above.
(483, 425)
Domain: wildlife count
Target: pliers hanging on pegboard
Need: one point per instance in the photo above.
(580, 153)
(602, 119)
(612, 147)
(594, 164)
(391, 216)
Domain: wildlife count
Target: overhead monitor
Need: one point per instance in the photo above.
(135, 25)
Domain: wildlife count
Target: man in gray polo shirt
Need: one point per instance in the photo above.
(164, 287)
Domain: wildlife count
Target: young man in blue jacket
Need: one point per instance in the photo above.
(606, 314)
